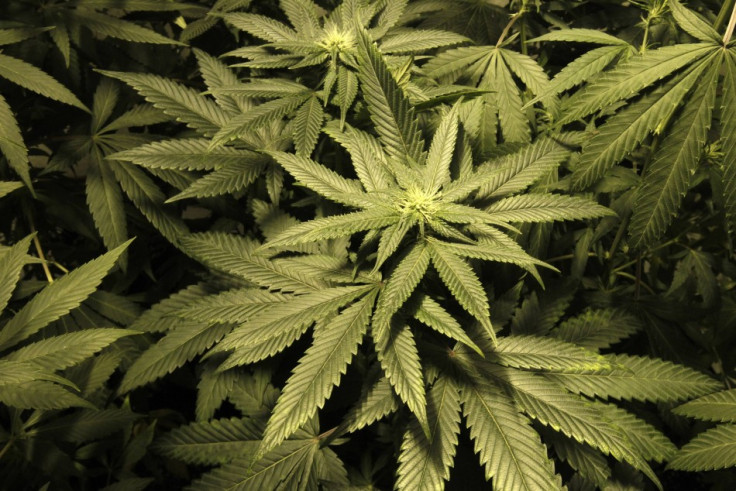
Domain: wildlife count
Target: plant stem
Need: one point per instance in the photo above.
(731, 26)
(39, 249)
(727, 6)
(6, 447)
(506, 29)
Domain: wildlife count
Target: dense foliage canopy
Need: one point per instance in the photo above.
(367, 244)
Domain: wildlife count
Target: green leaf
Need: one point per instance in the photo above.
(389, 107)
(514, 123)
(645, 379)
(648, 441)
(405, 41)
(539, 353)
(261, 27)
(17, 34)
(367, 156)
(140, 115)
(58, 298)
(11, 266)
(307, 125)
(598, 329)
(217, 75)
(728, 133)
(211, 442)
(463, 284)
(65, 350)
(32, 78)
(85, 425)
(176, 100)
(623, 132)
(580, 35)
(105, 202)
(441, 152)
(432, 314)
(39, 394)
(106, 25)
(376, 403)
(670, 172)
(545, 207)
(12, 144)
(402, 282)
(318, 371)
(693, 24)
(508, 447)
(424, 463)
(631, 77)
(397, 352)
(234, 306)
(719, 407)
(712, 449)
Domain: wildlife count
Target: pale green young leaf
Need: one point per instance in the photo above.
(36, 80)
(728, 133)
(105, 202)
(321, 179)
(397, 352)
(235, 255)
(432, 314)
(307, 125)
(509, 448)
(640, 378)
(599, 328)
(406, 41)
(149, 199)
(580, 35)
(402, 282)
(710, 450)
(719, 407)
(58, 298)
(65, 350)
(391, 112)
(257, 117)
(261, 27)
(441, 151)
(693, 24)
(379, 401)
(424, 463)
(336, 226)
(211, 442)
(623, 132)
(463, 283)
(318, 371)
(269, 472)
(12, 144)
(176, 100)
(106, 25)
(547, 354)
(367, 155)
(11, 266)
(670, 172)
(180, 345)
(39, 394)
(552, 406)
(538, 207)
(186, 154)
(631, 77)
(228, 180)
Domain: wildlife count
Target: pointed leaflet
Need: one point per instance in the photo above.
(262, 27)
(104, 102)
(66, 350)
(640, 378)
(713, 449)
(235, 306)
(728, 133)
(669, 173)
(424, 463)
(390, 241)
(58, 298)
(105, 202)
(629, 78)
(85, 425)
(441, 152)
(217, 75)
(106, 25)
(593, 36)
(648, 441)
(32, 78)
(390, 109)
(719, 407)
(406, 41)
(538, 207)
(12, 144)
(15, 35)
(548, 403)
(514, 124)
(598, 329)
(185, 341)
(307, 125)
(623, 132)
(367, 155)
(463, 284)
(187, 154)
(211, 442)
(540, 353)
(176, 100)
(432, 314)
(397, 352)
(379, 401)
(693, 24)
(402, 282)
(11, 265)
(318, 371)
(39, 394)
(508, 447)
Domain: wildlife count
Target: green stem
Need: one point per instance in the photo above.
(727, 6)
(37, 244)
(731, 25)
(6, 447)
(508, 27)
